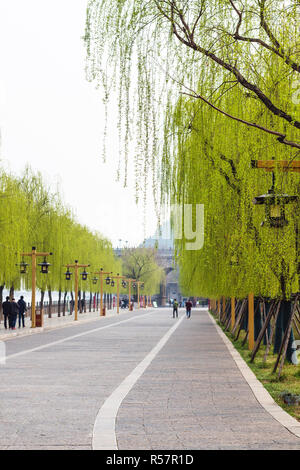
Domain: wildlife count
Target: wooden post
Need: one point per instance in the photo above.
(33, 300)
(101, 294)
(232, 312)
(129, 295)
(76, 292)
(251, 321)
(33, 254)
(118, 294)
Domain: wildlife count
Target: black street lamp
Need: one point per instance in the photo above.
(68, 275)
(84, 275)
(274, 206)
(44, 266)
(23, 267)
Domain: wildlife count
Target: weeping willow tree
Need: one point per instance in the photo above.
(140, 264)
(150, 51)
(206, 86)
(213, 168)
(33, 215)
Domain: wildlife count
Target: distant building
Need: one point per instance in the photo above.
(164, 243)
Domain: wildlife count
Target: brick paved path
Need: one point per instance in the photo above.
(193, 396)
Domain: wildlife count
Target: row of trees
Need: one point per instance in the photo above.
(217, 86)
(32, 215)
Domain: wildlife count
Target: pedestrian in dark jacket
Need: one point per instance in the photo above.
(22, 310)
(6, 307)
(13, 314)
(188, 306)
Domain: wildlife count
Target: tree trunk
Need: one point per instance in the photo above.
(281, 325)
(90, 303)
(42, 302)
(64, 302)
(11, 292)
(257, 319)
(1, 301)
(83, 303)
(58, 303)
(50, 304)
(79, 302)
(72, 304)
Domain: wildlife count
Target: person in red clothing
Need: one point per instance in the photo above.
(188, 306)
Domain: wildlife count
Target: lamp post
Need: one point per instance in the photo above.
(118, 277)
(129, 292)
(23, 266)
(275, 215)
(84, 275)
(44, 269)
(274, 203)
(101, 273)
(139, 283)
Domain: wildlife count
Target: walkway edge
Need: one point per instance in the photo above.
(259, 391)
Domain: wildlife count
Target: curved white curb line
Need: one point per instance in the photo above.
(259, 391)
(104, 436)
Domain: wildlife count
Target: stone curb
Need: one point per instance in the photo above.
(259, 391)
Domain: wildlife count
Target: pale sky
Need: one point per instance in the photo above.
(52, 119)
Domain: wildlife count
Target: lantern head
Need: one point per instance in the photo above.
(124, 284)
(107, 280)
(274, 208)
(68, 275)
(84, 275)
(23, 267)
(95, 279)
(112, 283)
(44, 266)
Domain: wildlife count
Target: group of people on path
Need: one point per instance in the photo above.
(188, 307)
(12, 310)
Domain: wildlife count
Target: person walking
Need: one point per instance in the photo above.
(175, 308)
(188, 306)
(6, 307)
(13, 314)
(22, 309)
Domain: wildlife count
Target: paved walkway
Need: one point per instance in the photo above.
(181, 388)
(50, 323)
(193, 396)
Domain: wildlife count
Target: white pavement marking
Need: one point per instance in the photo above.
(104, 435)
(259, 391)
(78, 335)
